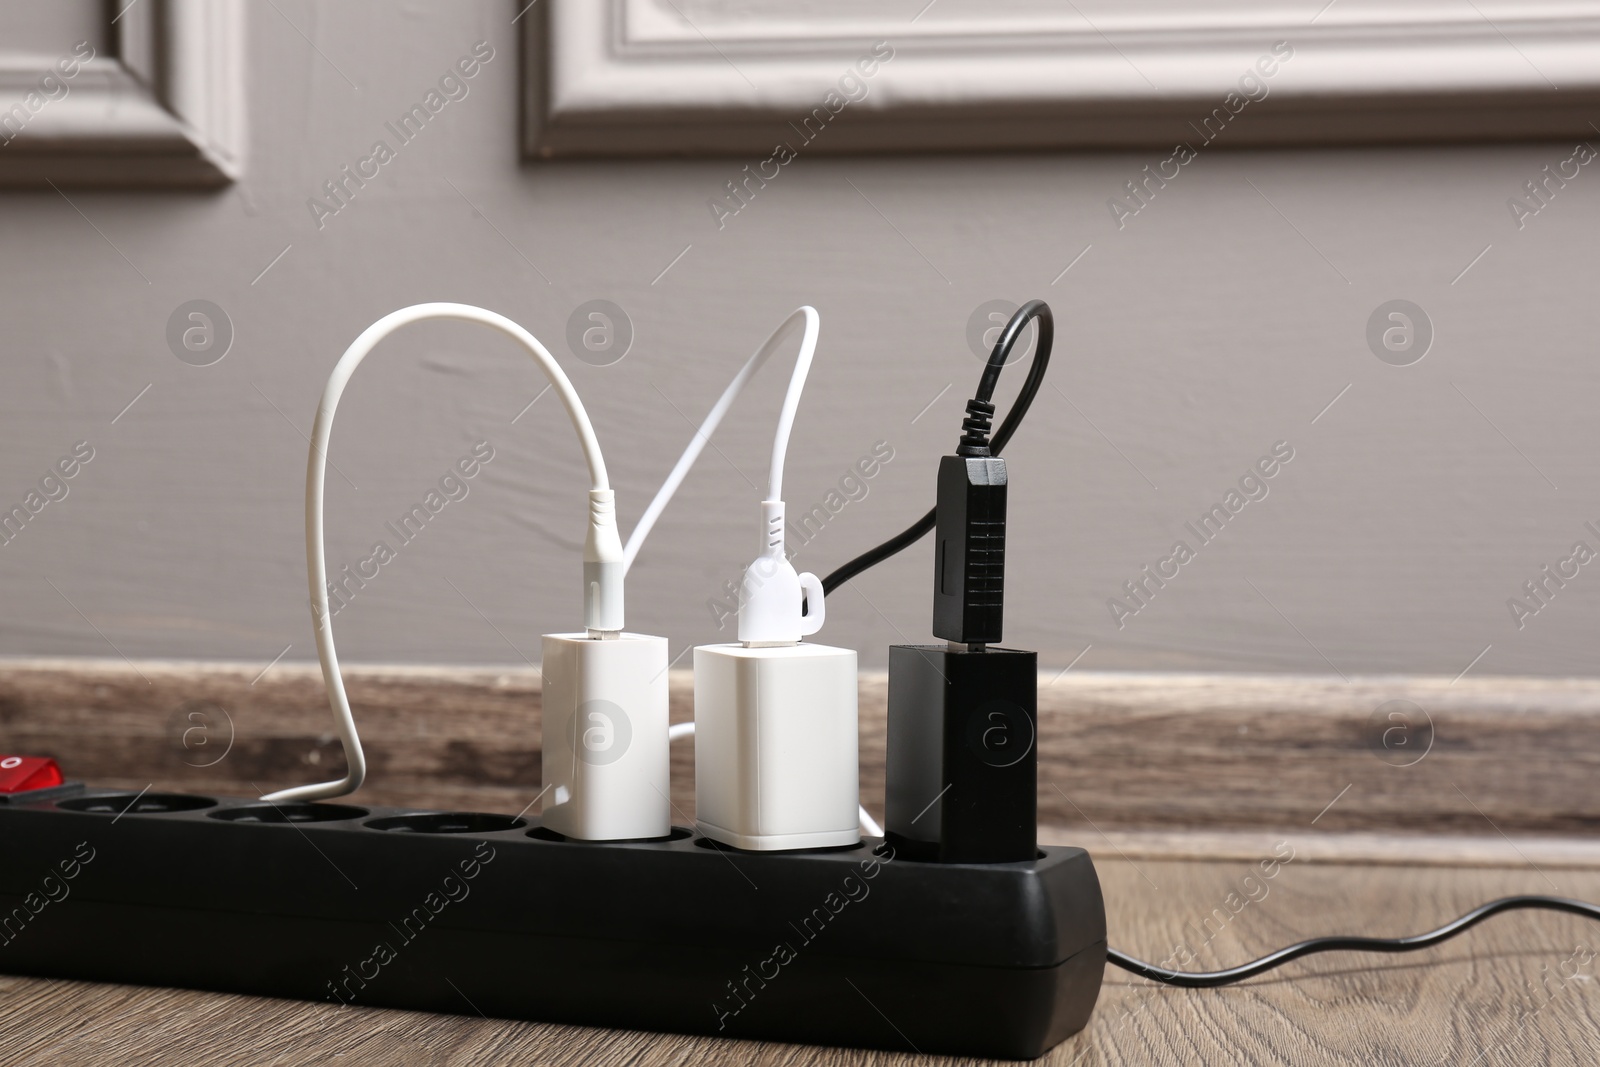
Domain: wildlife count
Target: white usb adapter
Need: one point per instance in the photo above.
(776, 752)
(603, 748)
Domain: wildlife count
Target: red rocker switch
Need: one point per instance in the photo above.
(22, 774)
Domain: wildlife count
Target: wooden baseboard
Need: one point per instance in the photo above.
(1520, 851)
(1118, 753)
(1227, 751)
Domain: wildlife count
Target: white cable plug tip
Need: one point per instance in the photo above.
(771, 612)
(603, 567)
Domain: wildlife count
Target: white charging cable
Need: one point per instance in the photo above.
(603, 563)
(769, 612)
(780, 447)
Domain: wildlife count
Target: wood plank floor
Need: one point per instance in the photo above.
(1178, 786)
(1519, 990)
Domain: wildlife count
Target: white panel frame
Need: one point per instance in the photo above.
(165, 109)
(641, 77)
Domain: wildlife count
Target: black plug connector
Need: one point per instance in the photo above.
(969, 557)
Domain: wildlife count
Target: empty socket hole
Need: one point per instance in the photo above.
(719, 846)
(137, 804)
(542, 833)
(286, 813)
(448, 822)
(715, 845)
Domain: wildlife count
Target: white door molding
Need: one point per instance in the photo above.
(636, 77)
(166, 108)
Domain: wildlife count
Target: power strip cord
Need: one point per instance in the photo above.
(1209, 979)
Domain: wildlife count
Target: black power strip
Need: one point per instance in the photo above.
(468, 913)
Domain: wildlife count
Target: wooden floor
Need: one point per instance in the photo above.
(1178, 785)
(1519, 990)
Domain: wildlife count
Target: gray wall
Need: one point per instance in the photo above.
(1215, 324)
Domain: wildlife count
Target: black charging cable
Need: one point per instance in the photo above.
(975, 441)
(975, 428)
(1208, 979)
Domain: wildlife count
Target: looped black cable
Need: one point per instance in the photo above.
(1206, 979)
(975, 428)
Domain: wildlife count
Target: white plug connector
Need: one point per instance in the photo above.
(602, 567)
(770, 598)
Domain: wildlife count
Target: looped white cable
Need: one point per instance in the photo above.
(780, 446)
(316, 474)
